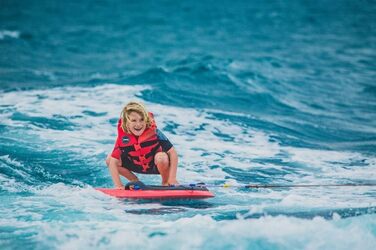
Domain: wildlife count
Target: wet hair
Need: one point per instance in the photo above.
(137, 108)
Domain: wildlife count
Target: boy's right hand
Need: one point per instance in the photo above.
(173, 182)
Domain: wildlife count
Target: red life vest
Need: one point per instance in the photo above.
(137, 153)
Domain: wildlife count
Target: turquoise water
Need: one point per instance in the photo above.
(261, 92)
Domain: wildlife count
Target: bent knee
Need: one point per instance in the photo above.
(161, 158)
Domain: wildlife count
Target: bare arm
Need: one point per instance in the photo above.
(113, 167)
(173, 166)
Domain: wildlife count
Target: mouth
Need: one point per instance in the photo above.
(138, 129)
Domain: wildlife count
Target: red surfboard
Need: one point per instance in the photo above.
(160, 192)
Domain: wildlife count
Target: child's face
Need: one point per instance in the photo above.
(136, 124)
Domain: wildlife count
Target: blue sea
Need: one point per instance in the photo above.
(276, 92)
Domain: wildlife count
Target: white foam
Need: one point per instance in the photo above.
(82, 218)
(205, 233)
(9, 33)
(8, 181)
(205, 144)
(10, 161)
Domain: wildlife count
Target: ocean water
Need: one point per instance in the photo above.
(249, 92)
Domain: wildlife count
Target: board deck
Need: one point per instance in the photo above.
(160, 192)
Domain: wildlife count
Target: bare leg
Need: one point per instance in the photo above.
(162, 162)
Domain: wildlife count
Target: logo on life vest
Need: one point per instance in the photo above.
(125, 139)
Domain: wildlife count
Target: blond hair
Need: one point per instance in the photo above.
(138, 108)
